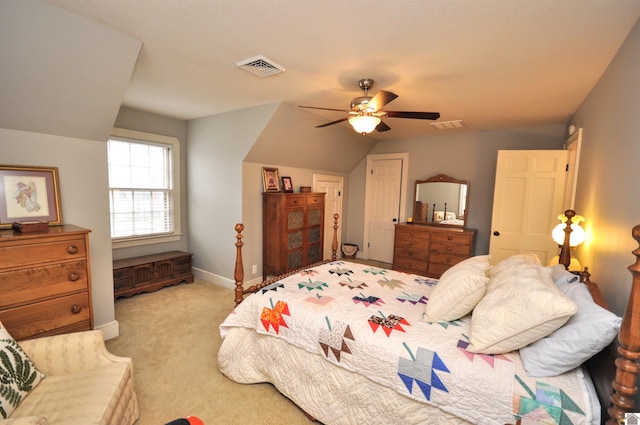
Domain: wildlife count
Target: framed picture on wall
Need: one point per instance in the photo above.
(270, 179)
(287, 186)
(29, 194)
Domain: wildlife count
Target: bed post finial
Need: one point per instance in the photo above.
(565, 252)
(627, 366)
(334, 243)
(238, 274)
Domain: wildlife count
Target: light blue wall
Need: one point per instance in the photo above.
(607, 191)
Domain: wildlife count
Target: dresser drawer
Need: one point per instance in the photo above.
(448, 260)
(410, 265)
(411, 243)
(25, 254)
(46, 316)
(411, 253)
(451, 249)
(411, 232)
(27, 285)
(453, 238)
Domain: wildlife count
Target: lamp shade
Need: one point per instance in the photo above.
(364, 123)
(576, 237)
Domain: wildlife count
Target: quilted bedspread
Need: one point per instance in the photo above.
(367, 320)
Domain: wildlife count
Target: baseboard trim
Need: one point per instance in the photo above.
(220, 280)
(110, 330)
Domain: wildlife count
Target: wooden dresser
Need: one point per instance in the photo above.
(149, 273)
(293, 231)
(45, 282)
(430, 250)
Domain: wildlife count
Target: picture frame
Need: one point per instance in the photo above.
(287, 185)
(270, 179)
(29, 193)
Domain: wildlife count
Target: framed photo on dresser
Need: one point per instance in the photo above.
(29, 193)
(270, 179)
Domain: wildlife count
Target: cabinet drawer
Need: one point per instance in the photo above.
(27, 285)
(25, 254)
(411, 232)
(443, 248)
(410, 264)
(292, 201)
(315, 200)
(38, 318)
(413, 243)
(412, 253)
(456, 238)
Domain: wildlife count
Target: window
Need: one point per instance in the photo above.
(144, 196)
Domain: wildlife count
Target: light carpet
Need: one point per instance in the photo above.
(172, 336)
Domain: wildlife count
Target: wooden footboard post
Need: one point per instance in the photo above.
(627, 366)
(238, 274)
(334, 243)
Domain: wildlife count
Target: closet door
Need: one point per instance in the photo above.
(528, 196)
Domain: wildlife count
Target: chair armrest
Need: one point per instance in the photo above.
(26, 420)
(69, 353)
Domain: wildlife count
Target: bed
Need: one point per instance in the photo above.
(351, 343)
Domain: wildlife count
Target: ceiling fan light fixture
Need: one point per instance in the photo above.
(364, 124)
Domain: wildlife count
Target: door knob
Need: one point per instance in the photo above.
(496, 233)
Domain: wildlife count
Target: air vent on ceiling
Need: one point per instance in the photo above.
(447, 125)
(260, 66)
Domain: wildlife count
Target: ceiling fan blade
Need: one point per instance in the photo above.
(332, 122)
(383, 127)
(324, 109)
(414, 115)
(380, 99)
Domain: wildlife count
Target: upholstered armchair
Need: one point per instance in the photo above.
(83, 384)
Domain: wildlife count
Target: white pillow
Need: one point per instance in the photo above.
(458, 290)
(509, 266)
(524, 306)
(589, 331)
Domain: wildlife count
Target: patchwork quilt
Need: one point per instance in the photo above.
(367, 320)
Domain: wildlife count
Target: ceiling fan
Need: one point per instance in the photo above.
(366, 112)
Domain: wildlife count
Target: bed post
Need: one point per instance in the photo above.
(238, 274)
(627, 366)
(565, 252)
(334, 243)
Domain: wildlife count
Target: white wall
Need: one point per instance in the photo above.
(217, 147)
(83, 181)
(607, 189)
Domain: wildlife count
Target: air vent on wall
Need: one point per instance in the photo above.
(446, 125)
(260, 66)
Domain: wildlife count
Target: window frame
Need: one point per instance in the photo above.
(152, 139)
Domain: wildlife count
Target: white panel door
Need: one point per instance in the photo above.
(384, 207)
(528, 196)
(332, 186)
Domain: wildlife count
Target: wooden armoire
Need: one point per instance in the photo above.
(293, 231)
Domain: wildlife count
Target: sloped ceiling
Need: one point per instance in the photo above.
(62, 74)
(286, 140)
(492, 63)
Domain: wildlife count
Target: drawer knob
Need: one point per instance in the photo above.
(448, 248)
(450, 237)
(410, 253)
(73, 277)
(411, 242)
(75, 309)
(411, 233)
(410, 264)
(72, 249)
